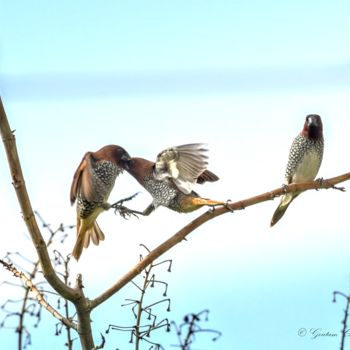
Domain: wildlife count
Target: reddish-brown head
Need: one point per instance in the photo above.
(139, 168)
(313, 128)
(112, 153)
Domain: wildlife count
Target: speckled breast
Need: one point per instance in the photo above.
(103, 179)
(162, 191)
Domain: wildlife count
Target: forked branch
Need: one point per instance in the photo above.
(75, 295)
(37, 294)
(9, 141)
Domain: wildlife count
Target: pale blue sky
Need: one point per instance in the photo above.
(240, 76)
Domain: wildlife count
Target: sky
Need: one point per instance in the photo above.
(239, 76)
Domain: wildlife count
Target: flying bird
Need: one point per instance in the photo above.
(304, 160)
(171, 177)
(92, 184)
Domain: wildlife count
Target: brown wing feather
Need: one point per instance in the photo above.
(207, 176)
(82, 180)
(75, 187)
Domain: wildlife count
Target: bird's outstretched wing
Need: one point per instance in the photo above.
(83, 180)
(183, 164)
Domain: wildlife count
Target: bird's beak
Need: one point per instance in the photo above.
(312, 121)
(126, 160)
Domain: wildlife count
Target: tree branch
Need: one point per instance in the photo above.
(38, 295)
(75, 295)
(9, 141)
(209, 215)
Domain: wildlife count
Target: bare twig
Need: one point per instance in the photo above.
(345, 320)
(61, 260)
(21, 327)
(27, 305)
(23, 308)
(38, 295)
(75, 295)
(139, 331)
(140, 307)
(190, 327)
(103, 342)
(9, 141)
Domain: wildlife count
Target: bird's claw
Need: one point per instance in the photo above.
(124, 212)
(227, 206)
(342, 189)
(285, 188)
(320, 180)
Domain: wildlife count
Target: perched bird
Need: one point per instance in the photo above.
(170, 179)
(304, 161)
(92, 183)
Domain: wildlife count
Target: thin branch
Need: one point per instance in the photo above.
(103, 341)
(140, 308)
(22, 312)
(344, 330)
(190, 327)
(27, 289)
(66, 305)
(9, 141)
(75, 295)
(209, 215)
(63, 261)
(38, 295)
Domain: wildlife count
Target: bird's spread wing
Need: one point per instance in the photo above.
(183, 164)
(83, 180)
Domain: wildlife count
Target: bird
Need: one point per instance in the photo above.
(305, 158)
(171, 177)
(92, 184)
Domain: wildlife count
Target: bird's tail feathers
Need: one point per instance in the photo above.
(281, 209)
(96, 234)
(278, 213)
(78, 247)
(83, 239)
